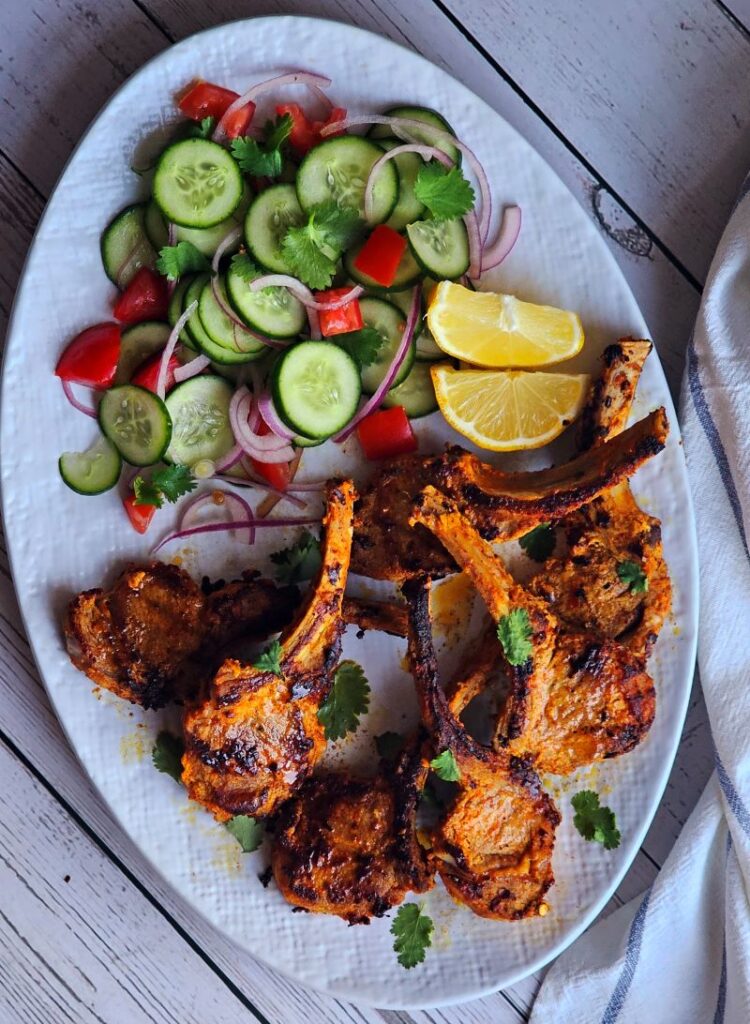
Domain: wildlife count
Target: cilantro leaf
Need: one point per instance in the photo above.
(169, 483)
(514, 633)
(349, 698)
(539, 543)
(204, 130)
(270, 659)
(632, 574)
(263, 161)
(277, 132)
(595, 823)
(445, 193)
(244, 267)
(446, 767)
(413, 930)
(313, 249)
(246, 830)
(176, 260)
(298, 562)
(388, 745)
(255, 159)
(147, 493)
(362, 345)
(167, 754)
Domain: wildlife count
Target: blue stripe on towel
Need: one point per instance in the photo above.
(731, 796)
(714, 440)
(632, 954)
(721, 999)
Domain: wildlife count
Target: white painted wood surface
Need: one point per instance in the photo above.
(642, 109)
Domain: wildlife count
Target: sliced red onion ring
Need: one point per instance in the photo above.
(426, 152)
(405, 127)
(87, 409)
(309, 78)
(174, 337)
(268, 448)
(327, 103)
(238, 507)
(191, 369)
(272, 419)
(403, 347)
(510, 228)
(475, 245)
(231, 458)
(251, 481)
(230, 239)
(302, 292)
(240, 331)
(234, 524)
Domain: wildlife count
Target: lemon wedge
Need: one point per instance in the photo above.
(489, 329)
(507, 410)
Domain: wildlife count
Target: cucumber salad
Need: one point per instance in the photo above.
(272, 290)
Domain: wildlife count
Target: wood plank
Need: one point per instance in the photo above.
(671, 138)
(668, 302)
(66, 907)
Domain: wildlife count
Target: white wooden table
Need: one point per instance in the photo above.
(643, 109)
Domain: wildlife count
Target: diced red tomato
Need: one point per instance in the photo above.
(386, 433)
(140, 516)
(277, 474)
(381, 254)
(91, 357)
(147, 373)
(342, 320)
(306, 133)
(205, 99)
(145, 298)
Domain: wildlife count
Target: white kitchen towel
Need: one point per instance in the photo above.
(680, 954)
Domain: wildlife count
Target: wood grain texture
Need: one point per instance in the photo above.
(662, 113)
(72, 929)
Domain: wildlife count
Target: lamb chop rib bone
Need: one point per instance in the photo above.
(256, 738)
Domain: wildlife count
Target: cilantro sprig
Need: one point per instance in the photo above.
(167, 754)
(446, 193)
(313, 249)
(412, 930)
(596, 824)
(539, 543)
(263, 160)
(514, 633)
(177, 260)
(631, 574)
(349, 698)
(246, 830)
(363, 345)
(298, 562)
(446, 767)
(269, 660)
(202, 130)
(167, 484)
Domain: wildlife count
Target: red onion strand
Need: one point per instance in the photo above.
(174, 337)
(510, 228)
(309, 78)
(87, 409)
(234, 524)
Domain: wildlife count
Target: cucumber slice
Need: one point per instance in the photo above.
(408, 208)
(407, 273)
(194, 327)
(205, 240)
(316, 388)
(138, 343)
(389, 321)
(222, 330)
(199, 408)
(402, 299)
(416, 393)
(94, 471)
(155, 225)
(441, 247)
(427, 350)
(307, 442)
(197, 183)
(272, 311)
(338, 169)
(125, 245)
(176, 307)
(270, 216)
(429, 117)
(137, 423)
